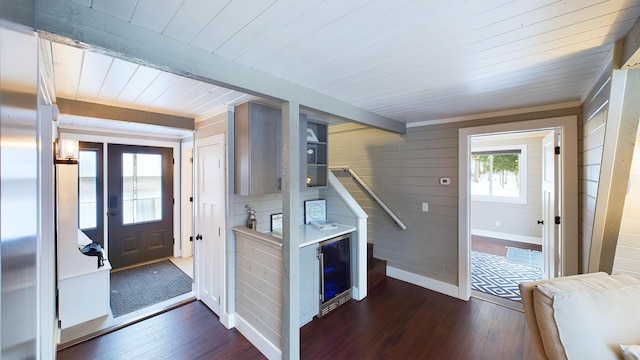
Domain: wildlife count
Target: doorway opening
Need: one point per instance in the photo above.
(506, 212)
(558, 195)
(94, 218)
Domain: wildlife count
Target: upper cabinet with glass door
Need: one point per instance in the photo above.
(315, 164)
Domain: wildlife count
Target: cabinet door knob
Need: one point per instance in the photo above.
(199, 237)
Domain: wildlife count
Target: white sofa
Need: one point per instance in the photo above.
(589, 316)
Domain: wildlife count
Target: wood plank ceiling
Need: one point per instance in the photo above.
(407, 60)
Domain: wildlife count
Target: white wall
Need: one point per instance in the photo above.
(627, 258)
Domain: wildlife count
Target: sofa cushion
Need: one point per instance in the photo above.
(630, 352)
(580, 298)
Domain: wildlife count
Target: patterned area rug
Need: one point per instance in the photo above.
(493, 274)
(146, 285)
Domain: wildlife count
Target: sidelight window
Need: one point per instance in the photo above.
(88, 189)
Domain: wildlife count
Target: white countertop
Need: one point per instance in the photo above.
(309, 235)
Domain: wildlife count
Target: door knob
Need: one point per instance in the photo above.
(540, 222)
(198, 237)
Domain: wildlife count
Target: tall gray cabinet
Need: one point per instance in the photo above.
(258, 149)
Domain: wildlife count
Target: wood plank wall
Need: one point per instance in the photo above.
(404, 171)
(627, 258)
(591, 144)
(259, 286)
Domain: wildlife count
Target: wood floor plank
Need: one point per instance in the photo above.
(396, 320)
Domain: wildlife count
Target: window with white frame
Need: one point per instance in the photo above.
(499, 174)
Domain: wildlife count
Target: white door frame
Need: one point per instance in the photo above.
(69, 132)
(210, 140)
(568, 192)
(186, 193)
(550, 180)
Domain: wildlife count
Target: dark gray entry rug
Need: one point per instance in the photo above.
(142, 286)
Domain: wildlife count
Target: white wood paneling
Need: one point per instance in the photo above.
(192, 17)
(154, 14)
(95, 68)
(233, 17)
(116, 79)
(406, 60)
(122, 9)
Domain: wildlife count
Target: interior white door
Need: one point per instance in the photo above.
(210, 215)
(549, 205)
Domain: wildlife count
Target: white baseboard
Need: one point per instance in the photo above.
(267, 348)
(423, 281)
(228, 320)
(505, 236)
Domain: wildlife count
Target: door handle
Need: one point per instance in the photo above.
(540, 222)
(113, 212)
(198, 237)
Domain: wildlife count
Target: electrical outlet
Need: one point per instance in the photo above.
(425, 207)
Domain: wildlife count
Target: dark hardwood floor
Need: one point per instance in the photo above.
(397, 320)
(191, 331)
(498, 247)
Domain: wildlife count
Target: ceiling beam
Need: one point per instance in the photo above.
(631, 50)
(98, 111)
(62, 20)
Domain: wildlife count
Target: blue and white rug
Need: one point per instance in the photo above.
(493, 274)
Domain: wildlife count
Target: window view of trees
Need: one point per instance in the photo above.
(495, 174)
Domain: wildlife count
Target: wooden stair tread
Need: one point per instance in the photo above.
(376, 268)
(374, 262)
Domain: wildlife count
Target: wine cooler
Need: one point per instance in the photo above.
(335, 273)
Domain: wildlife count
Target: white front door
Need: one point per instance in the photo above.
(210, 220)
(549, 205)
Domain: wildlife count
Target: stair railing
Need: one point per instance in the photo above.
(370, 192)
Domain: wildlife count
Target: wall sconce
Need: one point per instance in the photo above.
(67, 151)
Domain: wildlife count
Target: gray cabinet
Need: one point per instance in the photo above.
(309, 283)
(314, 164)
(258, 149)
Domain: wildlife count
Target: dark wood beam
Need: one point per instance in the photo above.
(86, 109)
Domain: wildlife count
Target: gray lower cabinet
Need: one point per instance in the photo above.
(258, 149)
(309, 283)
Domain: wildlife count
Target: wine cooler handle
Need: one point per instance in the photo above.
(321, 257)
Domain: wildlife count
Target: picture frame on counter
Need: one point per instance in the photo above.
(276, 223)
(315, 210)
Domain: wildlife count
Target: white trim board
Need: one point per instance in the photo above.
(506, 236)
(423, 281)
(495, 114)
(267, 348)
